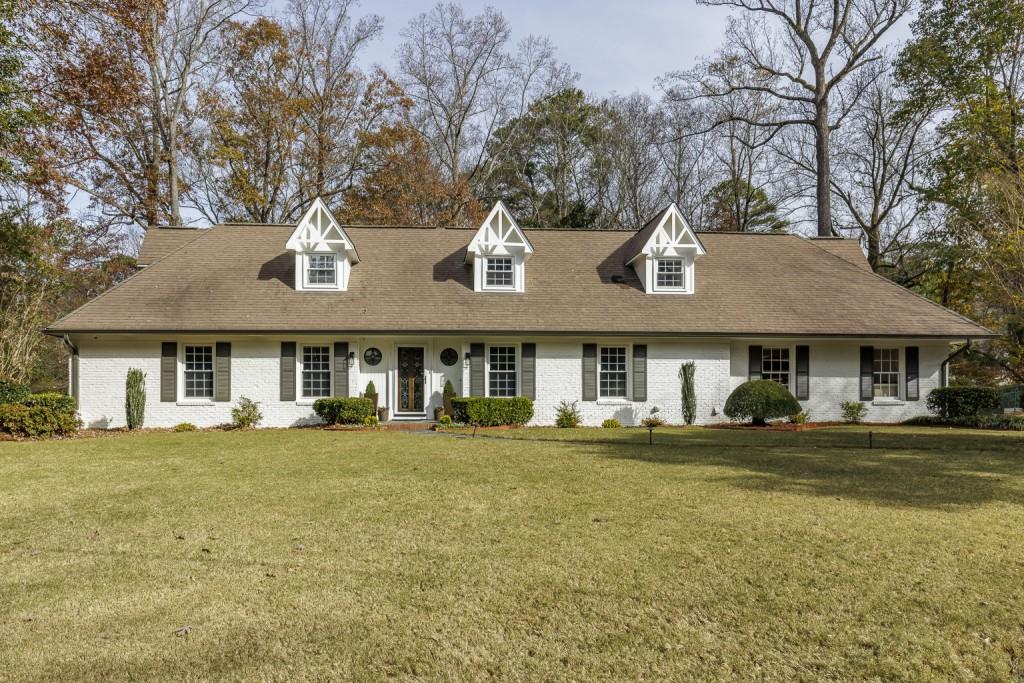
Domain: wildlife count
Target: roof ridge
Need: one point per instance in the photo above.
(901, 288)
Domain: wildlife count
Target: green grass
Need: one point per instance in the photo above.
(528, 555)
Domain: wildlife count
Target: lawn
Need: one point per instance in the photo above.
(527, 555)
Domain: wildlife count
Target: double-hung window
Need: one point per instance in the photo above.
(775, 364)
(321, 270)
(886, 373)
(199, 372)
(499, 272)
(501, 371)
(316, 371)
(612, 372)
(670, 273)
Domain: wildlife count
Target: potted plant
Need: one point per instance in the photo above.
(446, 397)
(382, 414)
(438, 412)
(371, 393)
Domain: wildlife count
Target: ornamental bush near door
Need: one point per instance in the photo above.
(493, 412)
(343, 411)
(760, 400)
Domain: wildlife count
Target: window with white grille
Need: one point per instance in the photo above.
(316, 371)
(198, 372)
(670, 273)
(501, 371)
(612, 372)
(775, 365)
(321, 269)
(886, 375)
(499, 272)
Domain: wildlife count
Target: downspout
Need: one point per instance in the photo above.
(71, 365)
(953, 356)
(67, 342)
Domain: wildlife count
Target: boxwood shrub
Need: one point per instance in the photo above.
(343, 411)
(40, 415)
(13, 392)
(989, 421)
(956, 403)
(760, 400)
(493, 412)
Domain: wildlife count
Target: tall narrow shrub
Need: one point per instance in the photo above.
(686, 374)
(135, 398)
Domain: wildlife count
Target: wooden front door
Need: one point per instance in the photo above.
(410, 379)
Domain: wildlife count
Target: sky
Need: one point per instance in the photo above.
(615, 45)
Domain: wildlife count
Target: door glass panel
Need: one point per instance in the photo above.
(410, 380)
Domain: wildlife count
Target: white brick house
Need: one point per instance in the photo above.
(286, 314)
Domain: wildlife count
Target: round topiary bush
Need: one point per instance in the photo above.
(759, 400)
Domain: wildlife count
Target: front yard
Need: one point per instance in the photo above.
(531, 555)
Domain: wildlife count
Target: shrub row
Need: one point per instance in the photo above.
(343, 411)
(953, 403)
(39, 415)
(493, 412)
(989, 421)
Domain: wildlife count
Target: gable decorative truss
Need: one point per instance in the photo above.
(666, 237)
(499, 237)
(318, 233)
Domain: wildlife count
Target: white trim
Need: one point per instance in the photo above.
(181, 398)
(306, 284)
(519, 367)
(393, 370)
(300, 399)
(627, 398)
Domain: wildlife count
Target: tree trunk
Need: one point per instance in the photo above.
(172, 174)
(823, 170)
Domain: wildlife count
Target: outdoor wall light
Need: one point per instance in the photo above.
(351, 358)
(468, 357)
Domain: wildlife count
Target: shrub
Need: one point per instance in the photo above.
(989, 421)
(135, 398)
(445, 421)
(42, 419)
(803, 417)
(686, 374)
(371, 422)
(854, 412)
(184, 427)
(371, 390)
(246, 415)
(611, 423)
(13, 392)
(567, 415)
(953, 403)
(52, 400)
(343, 411)
(492, 412)
(760, 400)
(449, 389)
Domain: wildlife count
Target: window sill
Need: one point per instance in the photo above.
(306, 401)
(613, 401)
(195, 402)
(888, 402)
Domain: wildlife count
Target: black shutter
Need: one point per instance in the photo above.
(287, 371)
(340, 369)
(589, 372)
(529, 371)
(222, 372)
(913, 374)
(639, 372)
(754, 363)
(803, 373)
(168, 372)
(476, 369)
(867, 368)
(74, 374)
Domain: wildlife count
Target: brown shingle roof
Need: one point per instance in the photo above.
(240, 278)
(159, 242)
(844, 249)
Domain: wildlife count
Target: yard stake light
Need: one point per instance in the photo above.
(871, 440)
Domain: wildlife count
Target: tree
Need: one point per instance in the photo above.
(465, 84)
(800, 53)
(738, 206)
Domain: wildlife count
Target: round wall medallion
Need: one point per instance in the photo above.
(449, 356)
(372, 355)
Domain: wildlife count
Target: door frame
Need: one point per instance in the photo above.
(399, 414)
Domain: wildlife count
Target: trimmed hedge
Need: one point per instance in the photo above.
(12, 392)
(493, 412)
(40, 415)
(990, 421)
(343, 411)
(760, 400)
(955, 403)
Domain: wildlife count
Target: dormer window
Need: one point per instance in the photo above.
(500, 273)
(663, 253)
(498, 253)
(324, 254)
(321, 270)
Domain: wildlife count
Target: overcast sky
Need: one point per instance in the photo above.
(615, 45)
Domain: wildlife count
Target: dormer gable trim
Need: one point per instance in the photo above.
(318, 232)
(668, 235)
(499, 235)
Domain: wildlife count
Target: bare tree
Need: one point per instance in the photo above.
(807, 50)
(689, 166)
(465, 83)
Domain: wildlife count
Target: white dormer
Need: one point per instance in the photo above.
(324, 254)
(498, 253)
(667, 248)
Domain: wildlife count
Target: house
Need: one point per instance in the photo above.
(285, 314)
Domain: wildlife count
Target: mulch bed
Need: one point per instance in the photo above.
(775, 427)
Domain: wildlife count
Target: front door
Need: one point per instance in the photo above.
(410, 379)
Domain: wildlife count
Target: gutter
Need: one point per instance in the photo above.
(944, 368)
(67, 342)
